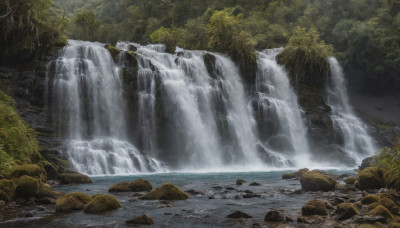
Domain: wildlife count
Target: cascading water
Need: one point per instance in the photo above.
(350, 131)
(283, 131)
(88, 106)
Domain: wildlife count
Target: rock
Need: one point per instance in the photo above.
(72, 201)
(370, 178)
(74, 178)
(305, 219)
(372, 206)
(25, 214)
(32, 170)
(132, 47)
(350, 180)
(194, 192)
(113, 51)
(367, 162)
(238, 215)
(211, 197)
(2, 203)
(369, 219)
(314, 207)
(166, 192)
(7, 190)
(21, 201)
(27, 186)
(381, 211)
(47, 192)
(240, 181)
(315, 181)
(143, 219)
(231, 189)
(256, 225)
(366, 200)
(101, 203)
(276, 216)
(140, 185)
(388, 203)
(297, 174)
(254, 184)
(46, 200)
(345, 211)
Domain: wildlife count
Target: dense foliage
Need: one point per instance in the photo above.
(28, 28)
(389, 160)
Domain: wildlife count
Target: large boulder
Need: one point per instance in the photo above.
(370, 178)
(314, 207)
(238, 215)
(72, 202)
(101, 203)
(7, 190)
(276, 216)
(143, 219)
(166, 192)
(315, 181)
(297, 174)
(47, 192)
(27, 186)
(140, 185)
(32, 170)
(74, 178)
(381, 211)
(368, 199)
(345, 211)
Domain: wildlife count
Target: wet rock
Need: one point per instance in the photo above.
(21, 201)
(47, 192)
(101, 203)
(328, 205)
(370, 178)
(27, 186)
(305, 219)
(217, 187)
(314, 207)
(369, 219)
(7, 190)
(72, 201)
(251, 195)
(345, 211)
(45, 200)
(277, 216)
(166, 192)
(315, 181)
(256, 225)
(366, 200)
(137, 194)
(211, 197)
(231, 189)
(143, 219)
(25, 214)
(194, 192)
(367, 162)
(74, 178)
(381, 211)
(240, 181)
(238, 215)
(254, 184)
(32, 170)
(297, 174)
(350, 180)
(338, 201)
(237, 197)
(140, 185)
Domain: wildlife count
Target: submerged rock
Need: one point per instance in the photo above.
(240, 181)
(345, 211)
(314, 207)
(143, 219)
(140, 185)
(166, 192)
(101, 203)
(370, 178)
(277, 216)
(72, 201)
(254, 184)
(27, 186)
(74, 178)
(315, 181)
(238, 215)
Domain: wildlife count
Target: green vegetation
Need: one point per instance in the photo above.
(166, 192)
(72, 201)
(18, 143)
(101, 203)
(389, 161)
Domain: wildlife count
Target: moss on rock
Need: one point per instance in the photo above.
(47, 191)
(32, 170)
(72, 201)
(101, 203)
(140, 185)
(314, 207)
(7, 190)
(387, 202)
(143, 219)
(166, 192)
(113, 51)
(350, 180)
(370, 178)
(315, 181)
(295, 174)
(345, 211)
(74, 178)
(366, 200)
(381, 211)
(373, 206)
(27, 186)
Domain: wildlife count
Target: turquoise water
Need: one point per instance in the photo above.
(198, 210)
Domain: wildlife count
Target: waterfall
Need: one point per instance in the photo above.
(282, 128)
(350, 131)
(89, 108)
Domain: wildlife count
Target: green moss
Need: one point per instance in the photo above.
(101, 203)
(295, 174)
(315, 181)
(32, 170)
(47, 191)
(74, 178)
(27, 186)
(373, 206)
(366, 200)
(113, 51)
(345, 211)
(370, 178)
(388, 203)
(7, 190)
(134, 186)
(143, 219)
(166, 192)
(381, 211)
(72, 201)
(18, 143)
(314, 207)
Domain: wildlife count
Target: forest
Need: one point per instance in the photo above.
(363, 34)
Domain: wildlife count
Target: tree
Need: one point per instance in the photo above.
(87, 24)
